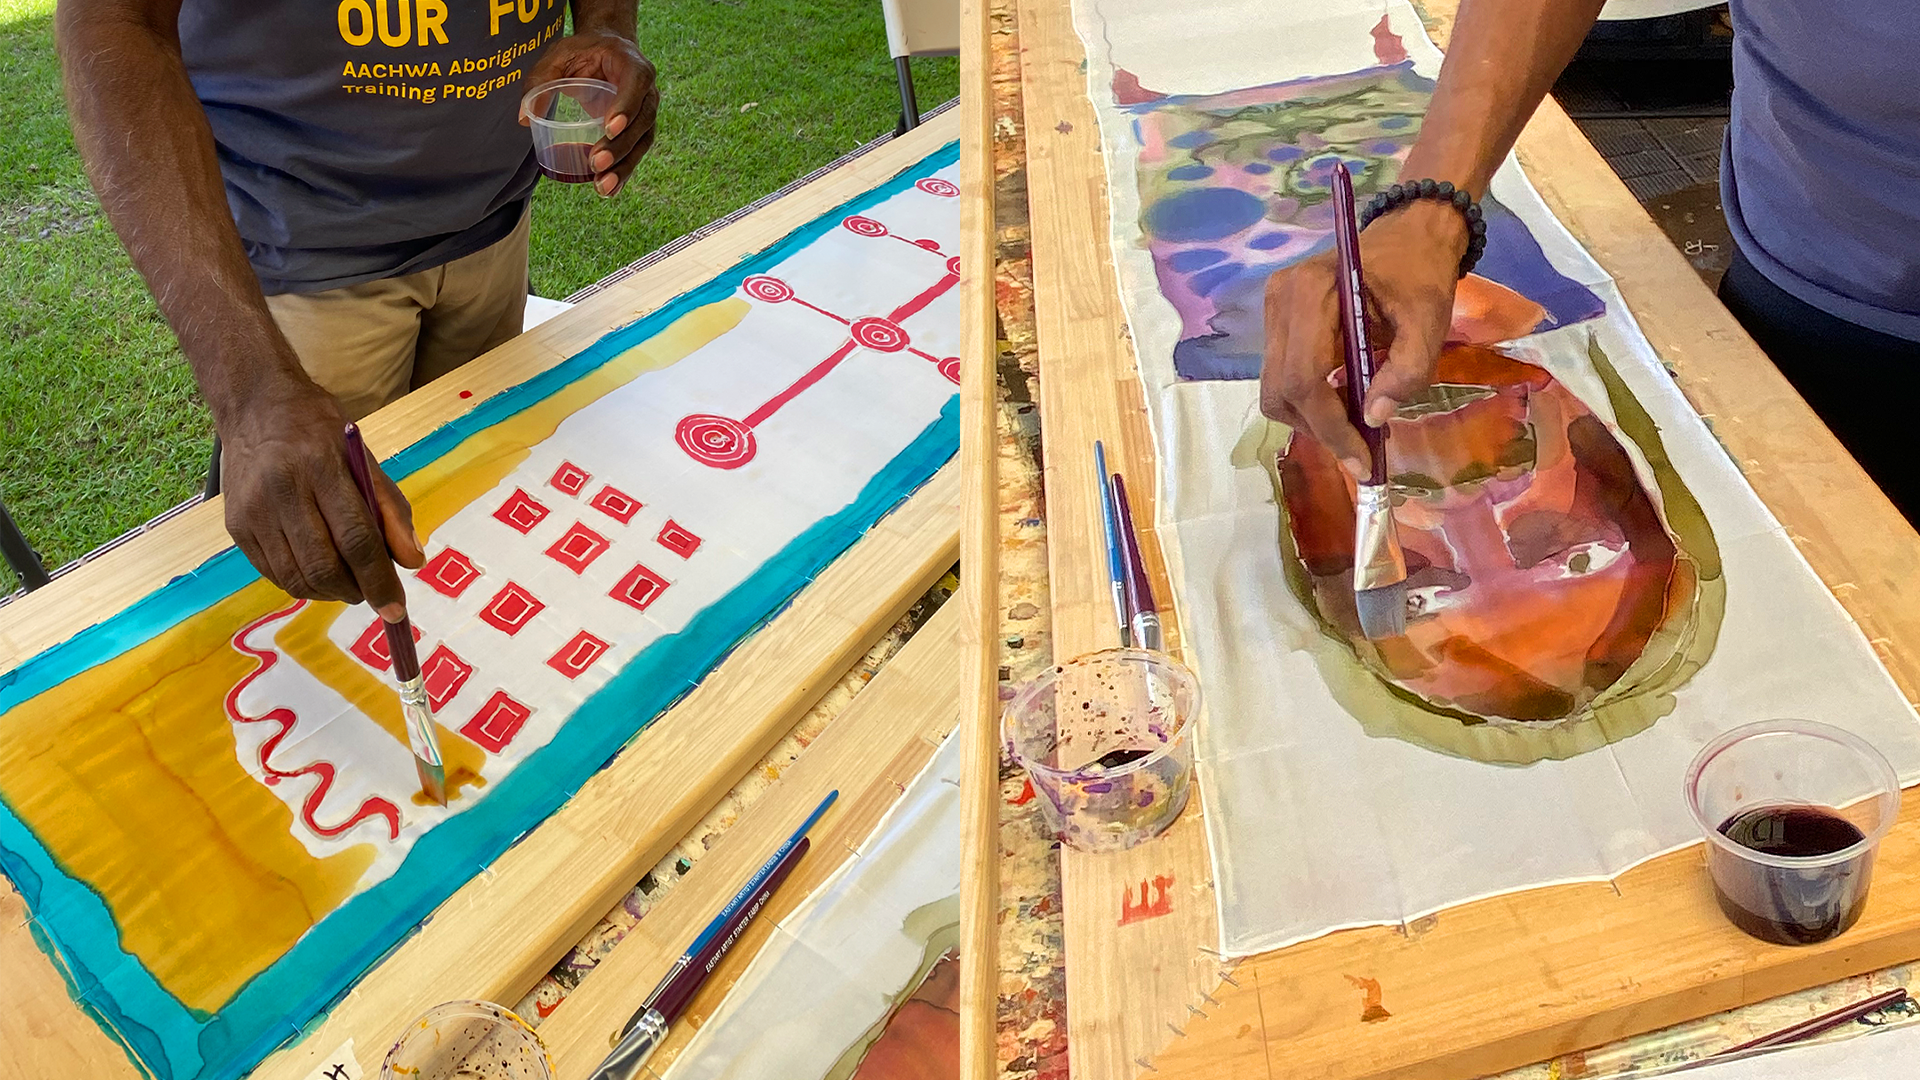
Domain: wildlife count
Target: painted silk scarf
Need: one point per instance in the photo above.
(1593, 593)
(207, 799)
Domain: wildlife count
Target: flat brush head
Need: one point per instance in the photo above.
(1383, 611)
(433, 781)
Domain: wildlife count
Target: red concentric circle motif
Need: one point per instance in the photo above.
(929, 244)
(953, 266)
(933, 185)
(879, 334)
(770, 289)
(864, 226)
(950, 367)
(718, 441)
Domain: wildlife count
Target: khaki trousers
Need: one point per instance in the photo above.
(368, 344)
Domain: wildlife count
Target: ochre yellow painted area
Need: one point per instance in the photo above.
(127, 772)
(128, 775)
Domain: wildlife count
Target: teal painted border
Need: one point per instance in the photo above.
(172, 1042)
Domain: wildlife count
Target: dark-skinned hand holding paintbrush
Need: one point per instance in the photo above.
(1379, 566)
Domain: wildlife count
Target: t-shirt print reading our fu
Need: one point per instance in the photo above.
(638, 512)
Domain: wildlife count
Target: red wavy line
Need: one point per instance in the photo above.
(285, 718)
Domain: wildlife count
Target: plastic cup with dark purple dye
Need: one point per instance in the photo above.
(1793, 812)
(568, 118)
(1107, 741)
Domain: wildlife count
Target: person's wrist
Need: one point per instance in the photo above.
(609, 30)
(263, 398)
(1431, 223)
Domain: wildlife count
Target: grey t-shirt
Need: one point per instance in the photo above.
(1821, 180)
(363, 139)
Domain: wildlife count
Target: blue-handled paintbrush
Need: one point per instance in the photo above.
(719, 922)
(1116, 559)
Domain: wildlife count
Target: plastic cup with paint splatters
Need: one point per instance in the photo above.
(468, 1040)
(1107, 741)
(568, 117)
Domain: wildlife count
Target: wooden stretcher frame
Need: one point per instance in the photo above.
(499, 933)
(979, 561)
(1484, 986)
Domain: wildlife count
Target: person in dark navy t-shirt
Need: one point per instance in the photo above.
(329, 202)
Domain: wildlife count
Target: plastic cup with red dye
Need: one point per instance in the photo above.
(1107, 741)
(1793, 812)
(568, 117)
(468, 1040)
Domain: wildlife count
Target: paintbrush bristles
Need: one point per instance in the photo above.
(1379, 566)
(1383, 611)
(433, 781)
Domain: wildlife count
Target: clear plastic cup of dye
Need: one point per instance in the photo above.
(1107, 741)
(1811, 803)
(468, 1040)
(568, 117)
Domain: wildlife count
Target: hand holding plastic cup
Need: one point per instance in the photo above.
(1107, 742)
(468, 1040)
(1793, 812)
(568, 118)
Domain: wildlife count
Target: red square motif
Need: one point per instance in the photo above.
(578, 655)
(616, 504)
(570, 478)
(521, 512)
(639, 588)
(444, 674)
(371, 645)
(511, 608)
(449, 572)
(497, 722)
(675, 538)
(578, 547)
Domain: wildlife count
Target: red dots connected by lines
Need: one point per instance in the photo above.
(880, 335)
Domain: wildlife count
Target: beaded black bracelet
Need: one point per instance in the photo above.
(1440, 191)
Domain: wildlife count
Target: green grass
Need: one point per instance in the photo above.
(100, 424)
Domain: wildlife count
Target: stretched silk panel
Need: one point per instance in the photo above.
(1594, 592)
(861, 981)
(207, 799)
